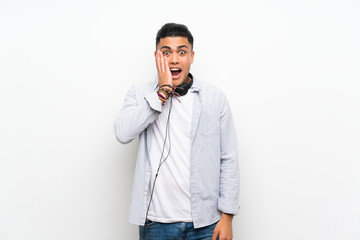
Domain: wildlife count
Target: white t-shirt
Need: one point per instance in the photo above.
(171, 197)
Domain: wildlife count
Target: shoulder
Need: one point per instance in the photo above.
(143, 88)
(208, 90)
(148, 85)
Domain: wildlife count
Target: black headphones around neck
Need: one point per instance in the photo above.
(183, 88)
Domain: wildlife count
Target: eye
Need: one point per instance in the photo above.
(182, 52)
(166, 52)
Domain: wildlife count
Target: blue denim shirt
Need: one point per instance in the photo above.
(214, 172)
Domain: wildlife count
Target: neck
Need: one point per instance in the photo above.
(187, 81)
(183, 88)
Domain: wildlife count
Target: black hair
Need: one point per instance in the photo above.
(174, 30)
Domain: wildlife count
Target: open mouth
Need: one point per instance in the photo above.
(175, 72)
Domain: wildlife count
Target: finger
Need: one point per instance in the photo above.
(166, 65)
(157, 58)
(168, 72)
(162, 62)
(215, 235)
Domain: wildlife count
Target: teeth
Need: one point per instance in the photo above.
(174, 69)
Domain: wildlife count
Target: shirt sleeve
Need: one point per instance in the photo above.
(139, 110)
(229, 167)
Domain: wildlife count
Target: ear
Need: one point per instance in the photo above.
(155, 53)
(192, 56)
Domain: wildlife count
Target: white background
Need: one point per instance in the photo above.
(290, 70)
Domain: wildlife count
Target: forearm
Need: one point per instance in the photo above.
(229, 169)
(229, 186)
(136, 115)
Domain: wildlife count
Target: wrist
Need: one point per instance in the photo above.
(227, 216)
(162, 97)
(166, 86)
(163, 94)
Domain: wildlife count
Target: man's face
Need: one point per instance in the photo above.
(179, 55)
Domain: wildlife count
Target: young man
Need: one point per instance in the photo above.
(186, 178)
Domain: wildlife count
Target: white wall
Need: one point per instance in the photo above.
(289, 68)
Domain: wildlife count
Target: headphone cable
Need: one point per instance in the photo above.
(167, 133)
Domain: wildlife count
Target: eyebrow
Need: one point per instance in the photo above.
(181, 46)
(167, 47)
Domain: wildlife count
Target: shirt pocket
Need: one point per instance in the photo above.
(210, 125)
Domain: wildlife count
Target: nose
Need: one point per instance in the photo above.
(173, 59)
